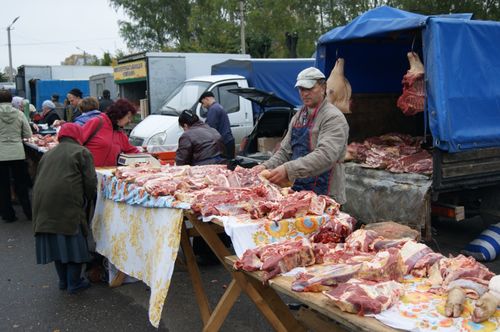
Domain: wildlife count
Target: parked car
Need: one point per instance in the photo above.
(270, 127)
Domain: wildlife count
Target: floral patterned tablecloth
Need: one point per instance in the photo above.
(419, 310)
(141, 242)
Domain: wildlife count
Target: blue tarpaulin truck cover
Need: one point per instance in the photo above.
(462, 66)
(269, 75)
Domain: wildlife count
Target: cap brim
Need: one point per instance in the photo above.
(305, 83)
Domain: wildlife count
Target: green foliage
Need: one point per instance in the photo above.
(4, 77)
(272, 28)
(155, 24)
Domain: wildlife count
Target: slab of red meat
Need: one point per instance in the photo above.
(357, 152)
(447, 270)
(384, 266)
(320, 277)
(393, 230)
(412, 101)
(335, 230)
(365, 297)
(362, 240)
(412, 252)
(277, 258)
(423, 265)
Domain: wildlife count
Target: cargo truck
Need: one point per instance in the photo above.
(461, 119)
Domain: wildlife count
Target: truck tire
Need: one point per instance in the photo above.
(490, 207)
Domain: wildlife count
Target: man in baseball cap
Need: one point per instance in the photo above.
(312, 152)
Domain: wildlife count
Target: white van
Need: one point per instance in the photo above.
(163, 129)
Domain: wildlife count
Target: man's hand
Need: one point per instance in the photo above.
(279, 176)
(259, 168)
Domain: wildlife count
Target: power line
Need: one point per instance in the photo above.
(60, 42)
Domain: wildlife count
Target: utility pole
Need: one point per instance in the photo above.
(84, 55)
(10, 50)
(242, 26)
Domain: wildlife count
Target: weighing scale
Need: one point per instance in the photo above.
(131, 159)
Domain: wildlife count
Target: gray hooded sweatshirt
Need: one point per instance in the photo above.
(13, 128)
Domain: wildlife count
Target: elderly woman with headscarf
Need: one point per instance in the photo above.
(104, 137)
(65, 183)
(49, 114)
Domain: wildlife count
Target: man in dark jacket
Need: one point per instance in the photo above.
(65, 183)
(105, 100)
(217, 118)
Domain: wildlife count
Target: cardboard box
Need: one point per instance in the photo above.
(267, 144)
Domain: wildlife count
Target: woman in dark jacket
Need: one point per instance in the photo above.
(200, 144)
(65, 182)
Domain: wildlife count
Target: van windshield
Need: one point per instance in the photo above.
(183, 97)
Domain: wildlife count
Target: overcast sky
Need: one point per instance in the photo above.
(48, 31)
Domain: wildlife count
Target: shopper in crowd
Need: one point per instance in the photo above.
(311, 154)
(65, 183)
(200, 144)
(59, 107)
(105, 101)
(104, 137)
(217, 118)
(13, 128)
(72, 111)
(89, 106)
(48, 114)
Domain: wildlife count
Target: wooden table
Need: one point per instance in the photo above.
(321, 316)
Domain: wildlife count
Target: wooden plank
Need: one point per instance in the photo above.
(194, 273)
(210, 237)
(269, 304)
(317, 322)
(470, 168)
(321, 304)
(222, 309)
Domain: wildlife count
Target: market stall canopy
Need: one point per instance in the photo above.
(461, 60)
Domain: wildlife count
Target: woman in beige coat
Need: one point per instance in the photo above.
(13, 128)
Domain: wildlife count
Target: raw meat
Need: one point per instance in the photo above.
(412, 101)
(320, 277)
(393, 230)
(412, 252)
(365, 297)
(335, 230)
(362, 240)
(338, 88)
(277, 258)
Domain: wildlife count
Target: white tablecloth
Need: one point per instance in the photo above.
(141, 242)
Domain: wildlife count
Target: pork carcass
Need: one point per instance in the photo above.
(338, 88)
(365, 297)
(412, 101)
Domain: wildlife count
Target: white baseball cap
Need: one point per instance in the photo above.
(308, 77)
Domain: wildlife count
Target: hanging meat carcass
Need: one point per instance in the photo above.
(412, 100)
(338, 88)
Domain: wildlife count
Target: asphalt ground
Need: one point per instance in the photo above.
(31, 301)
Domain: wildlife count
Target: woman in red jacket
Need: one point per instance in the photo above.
(103, 134)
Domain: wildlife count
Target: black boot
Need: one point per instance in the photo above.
(62, 273)
(75, 282)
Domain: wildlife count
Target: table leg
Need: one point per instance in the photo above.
(222, 309)
(265, 298)
(194, 273)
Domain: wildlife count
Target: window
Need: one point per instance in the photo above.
(229, 101)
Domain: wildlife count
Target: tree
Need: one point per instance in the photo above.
(155, 24)
(3, 77)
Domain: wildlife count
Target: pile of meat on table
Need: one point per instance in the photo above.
(215, 190)
(394, 152)
(362, 272)
(45, 141)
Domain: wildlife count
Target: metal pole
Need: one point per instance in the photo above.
(10, 49)
(10, 54)
(242, 27)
